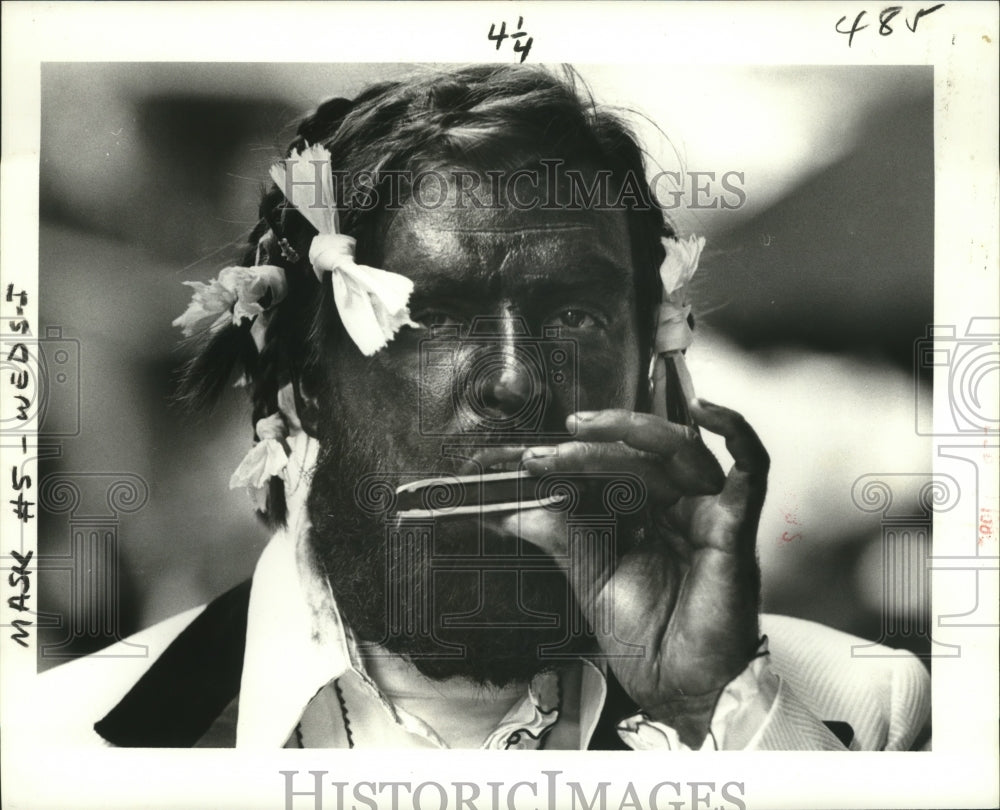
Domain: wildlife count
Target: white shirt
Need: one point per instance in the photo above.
(304, 681)
(817, 675)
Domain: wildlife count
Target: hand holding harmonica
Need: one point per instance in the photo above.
(688, 593)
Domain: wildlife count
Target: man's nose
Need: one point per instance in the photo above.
(504, 380)
(507, 381)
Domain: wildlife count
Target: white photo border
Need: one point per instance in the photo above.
(960, 41)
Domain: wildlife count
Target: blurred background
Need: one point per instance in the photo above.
(811, 294)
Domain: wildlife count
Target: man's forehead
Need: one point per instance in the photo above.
(511, 200)
(506, 221)
(463, 233)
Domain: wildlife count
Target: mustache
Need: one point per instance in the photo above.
(517, 597)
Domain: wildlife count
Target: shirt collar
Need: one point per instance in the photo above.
(297, 643)
(294, 646)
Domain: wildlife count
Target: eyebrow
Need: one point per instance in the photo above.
(593, 275)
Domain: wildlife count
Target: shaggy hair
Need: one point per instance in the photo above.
(480, 118)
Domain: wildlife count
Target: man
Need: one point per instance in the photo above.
(454, 279)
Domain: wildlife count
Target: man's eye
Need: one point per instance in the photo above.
(575, 319)
(443, 320)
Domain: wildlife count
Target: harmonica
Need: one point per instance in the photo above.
(464, 495)
(491, 493)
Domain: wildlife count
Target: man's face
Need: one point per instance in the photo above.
(528, 316)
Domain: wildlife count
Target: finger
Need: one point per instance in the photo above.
(679, 444)
(742, 441)
(642, 431)
(482, 460)
(606, 459)
(747, 481)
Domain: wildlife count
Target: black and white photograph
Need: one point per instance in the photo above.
(528, 397)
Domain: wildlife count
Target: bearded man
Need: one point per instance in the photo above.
(461, 322)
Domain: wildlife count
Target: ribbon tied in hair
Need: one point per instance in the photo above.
(284, 450)
(673, 332)
(232, 298)
(372, 303)
(268, 457)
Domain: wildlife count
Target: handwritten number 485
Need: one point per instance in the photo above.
(885, 17)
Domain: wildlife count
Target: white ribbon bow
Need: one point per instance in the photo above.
(673, 333)
(372, 303)
(679, 264)
(265, 459)
(233, 297)
(285, 450)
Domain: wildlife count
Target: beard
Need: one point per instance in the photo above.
(417, 589)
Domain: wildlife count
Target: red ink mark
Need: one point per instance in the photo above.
(985, 524)
(791, 518)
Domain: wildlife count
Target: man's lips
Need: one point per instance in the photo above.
(478, 494)
(480, 461)
(490, 479)
(503, 458)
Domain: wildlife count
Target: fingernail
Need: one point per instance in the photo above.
(540, 452)
(584, 416)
